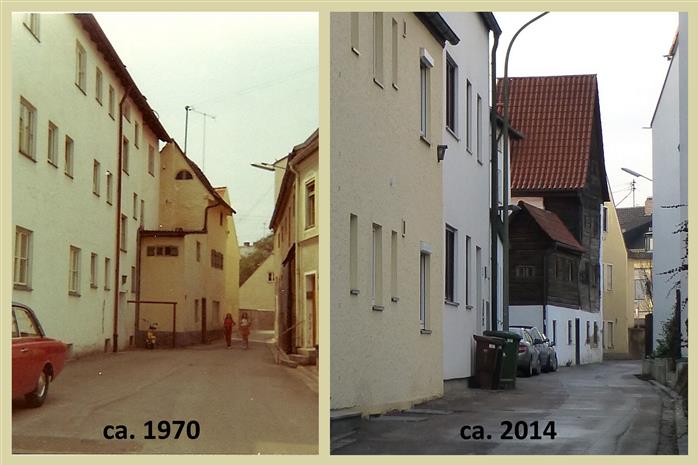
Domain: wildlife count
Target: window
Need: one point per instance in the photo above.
(26, 327)
(142, 220)
(95, 177)
(27, 129)
(354, 19)
(198, 251)
(183, 174)
(424, 99)
(124, 155)
(450, 294)
(32, 23)
(124, 232)
(112, 101)
(93, 270)
(353, 253)
(136, 134)
(310, 204)
(151, 160)
(196, 310)
(525, 271)
(216, 259)
(134, 281)
(52, 154)
(608, 275)
(378, 48)
(377, 268)
(588, 332)
(126, 110)
(107, 273)
(555, 332)
(395, 54)
(98, 85)
(649, 242)
(80, 67)
(270, 277)
(595, 340)
(74, 273)
(569, 332)
(478, 129)
(22, 261)
(467, 271)
(135, 206)
(451, 95)
(163, 251)
(69, 156)
(643, 282)
(110, 187)
(424, 282)
(468, 116)
(604, 219)
(393, 266)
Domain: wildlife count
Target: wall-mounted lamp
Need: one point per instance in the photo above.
(441, 152)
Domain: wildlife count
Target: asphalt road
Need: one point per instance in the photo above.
(242, 401)
(596, 409)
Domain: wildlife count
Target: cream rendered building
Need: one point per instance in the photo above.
(85, 178)
(296, 226)
(387, 236)
(258, 295)
(191, 258)
(617, 302)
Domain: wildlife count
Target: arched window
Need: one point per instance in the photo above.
(184, 174)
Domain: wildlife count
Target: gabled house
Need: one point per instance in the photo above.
(558, 166)
(191, 258)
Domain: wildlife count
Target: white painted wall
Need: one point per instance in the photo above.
(466, 192)
(526, 315)
(669, 163)
(62, 211)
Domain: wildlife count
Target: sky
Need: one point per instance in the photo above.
(255, 73)
(626, 52)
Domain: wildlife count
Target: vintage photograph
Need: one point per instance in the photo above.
(166, 224)
(509, 233)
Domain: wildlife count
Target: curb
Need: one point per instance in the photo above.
(680, 420)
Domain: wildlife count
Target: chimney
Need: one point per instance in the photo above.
(648, 206)
(247, 244)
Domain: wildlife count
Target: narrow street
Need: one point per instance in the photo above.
(243, 402)
(596, 409)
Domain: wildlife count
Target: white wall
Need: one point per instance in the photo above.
(466, 193)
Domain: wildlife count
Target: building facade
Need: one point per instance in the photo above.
(387, 237)
(85, 178)
(558, 167)
(258, 295)
(296, 226)
(191, 258)
(466, 175)
(669, 164)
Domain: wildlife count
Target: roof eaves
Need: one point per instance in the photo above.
(439, 28)
(491, 22)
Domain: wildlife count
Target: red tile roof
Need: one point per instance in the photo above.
(553, 226)
(556, 116)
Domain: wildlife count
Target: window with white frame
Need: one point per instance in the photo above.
(451, 94)
(27, 129)
(31, 22)
(74, 271)
(151, 160)
(69, 155)
(450, 278)
(99, 85)
(608, 277)
(93, 270)
(378, 48)
(468, 297)
(80, 66)
(377, 267)
(425, 65)
(310, 204)
(124, 155)
(424, 283)
(96, 174)
(52, 152)
(135, 206)
(124, 232)
(468, 116)
(22, 259)
(136, 134)
(110, 187)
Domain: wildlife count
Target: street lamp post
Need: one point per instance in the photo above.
(505, 170)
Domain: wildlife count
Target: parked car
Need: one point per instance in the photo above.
(529, 358)
(546, 348)
(36, 359)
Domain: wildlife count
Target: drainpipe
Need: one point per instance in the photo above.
(494, 200)
(117, 257)
(296, 237)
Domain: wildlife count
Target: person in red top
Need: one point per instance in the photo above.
(245, 330)
(228, 324)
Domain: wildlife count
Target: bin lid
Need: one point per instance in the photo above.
(503, 335)
(489, 339)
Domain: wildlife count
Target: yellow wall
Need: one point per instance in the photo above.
(257, 292)
(617, 302)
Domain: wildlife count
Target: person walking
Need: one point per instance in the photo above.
(228, 324)
(245, 330)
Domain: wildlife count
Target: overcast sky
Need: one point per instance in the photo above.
(257, 73)
(626, 51)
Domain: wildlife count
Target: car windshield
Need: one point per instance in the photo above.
(536, 334)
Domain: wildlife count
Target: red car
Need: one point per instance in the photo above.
(36, 359)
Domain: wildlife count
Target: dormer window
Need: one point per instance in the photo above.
(184, 174)
(649, 242)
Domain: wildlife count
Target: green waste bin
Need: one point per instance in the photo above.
(510, 357)
(488, 357)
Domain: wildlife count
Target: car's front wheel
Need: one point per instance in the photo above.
(37, 397)
(553, 362)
